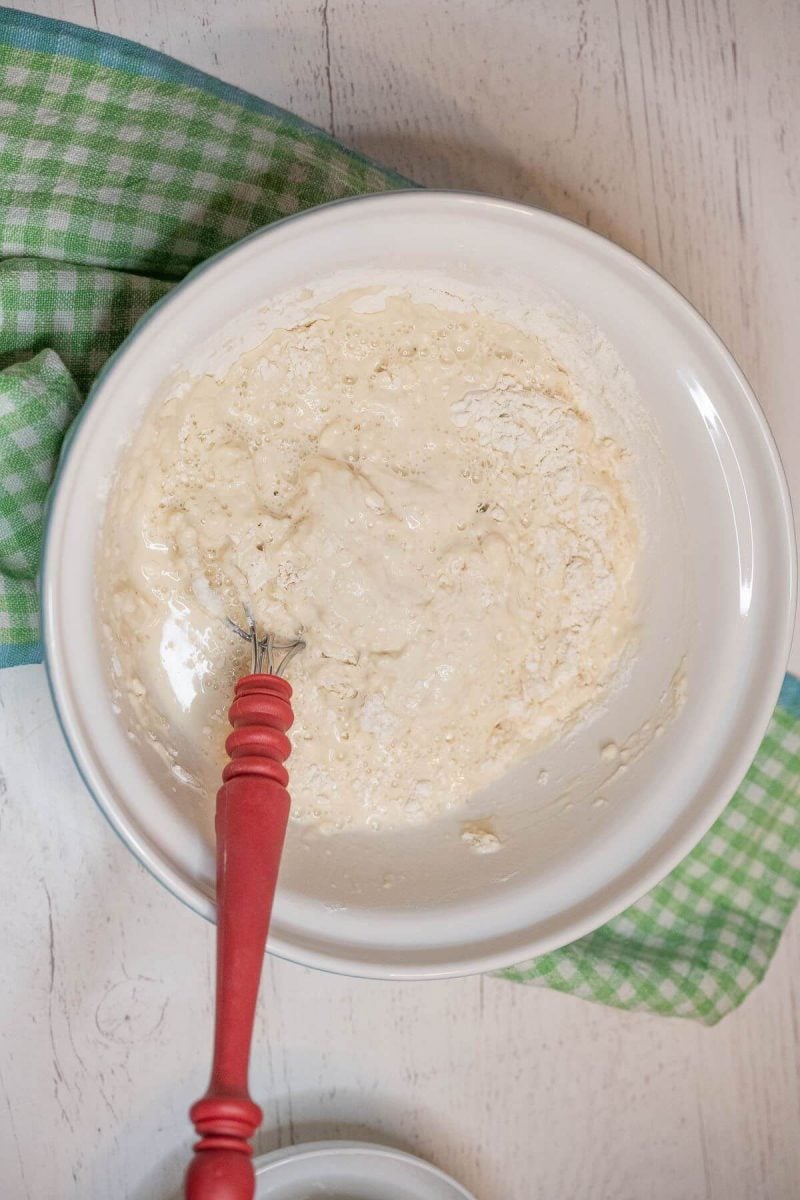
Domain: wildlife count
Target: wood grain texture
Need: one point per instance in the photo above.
(672, 128)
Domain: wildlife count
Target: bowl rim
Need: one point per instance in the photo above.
(659, 862)
(308, 1153)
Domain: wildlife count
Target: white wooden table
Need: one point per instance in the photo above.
(674, 129)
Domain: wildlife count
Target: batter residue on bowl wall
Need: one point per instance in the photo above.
(422, 494)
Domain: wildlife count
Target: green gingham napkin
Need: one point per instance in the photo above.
(121, 169)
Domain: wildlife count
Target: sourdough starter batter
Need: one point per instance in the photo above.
(419, 493)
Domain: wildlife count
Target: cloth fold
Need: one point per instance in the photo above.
(120, 170)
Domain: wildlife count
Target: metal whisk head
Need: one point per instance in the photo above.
(270, 654)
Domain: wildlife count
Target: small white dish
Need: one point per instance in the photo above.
(567, 864)
(351, 1171)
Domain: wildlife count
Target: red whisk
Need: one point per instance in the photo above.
(252, 813)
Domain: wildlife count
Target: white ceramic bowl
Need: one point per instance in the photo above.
(567, 865)
(351, 1171)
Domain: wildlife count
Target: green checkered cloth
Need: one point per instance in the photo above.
(121, 169)
(697, 945)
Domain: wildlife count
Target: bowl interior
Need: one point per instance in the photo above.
(717, 586)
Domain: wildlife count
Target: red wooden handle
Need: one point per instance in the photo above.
(252, 812)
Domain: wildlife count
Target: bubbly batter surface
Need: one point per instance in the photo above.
(417, 491)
